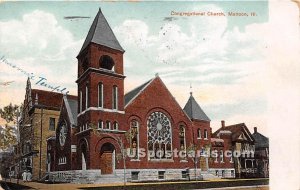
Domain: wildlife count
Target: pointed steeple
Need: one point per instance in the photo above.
(193, 110)
(101, 33)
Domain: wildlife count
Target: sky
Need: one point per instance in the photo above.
(221, 59)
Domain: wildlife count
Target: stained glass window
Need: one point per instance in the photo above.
(159, 136)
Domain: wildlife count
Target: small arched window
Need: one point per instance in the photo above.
(100, 124)
(199, 133)
(205, 134)
(106, 62)
(115, 126)
(107, 125)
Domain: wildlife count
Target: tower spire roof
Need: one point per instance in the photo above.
(194, 111)
(101, 33)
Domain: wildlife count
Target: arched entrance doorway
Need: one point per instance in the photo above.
(107, 158)
(83, 156)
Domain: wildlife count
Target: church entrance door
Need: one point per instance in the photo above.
(107, 158)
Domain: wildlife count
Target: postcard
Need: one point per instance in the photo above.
(149, 94)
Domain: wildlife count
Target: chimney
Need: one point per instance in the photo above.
(255, 129)
(223, 124)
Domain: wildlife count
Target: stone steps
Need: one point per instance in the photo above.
(208, 176)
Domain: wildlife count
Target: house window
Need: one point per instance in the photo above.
(135, 176)
(161, 174)
(100, 124)
(221, 156)
(223, 173)
(199, 133)
(100, 95)
(107, 125)
(115, 97)
(205, 134)
(80, 102)
(134, 139)
(86, 97)
(115, 126)
(232, 173)
(159, 132)
(52, 124)
(182, 139)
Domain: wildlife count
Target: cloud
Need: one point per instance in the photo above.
(225, 67)
(37, 44)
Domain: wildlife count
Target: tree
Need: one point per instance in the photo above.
(8, 134)
(10, 113)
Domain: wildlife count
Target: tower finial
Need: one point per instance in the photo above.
(191, 89)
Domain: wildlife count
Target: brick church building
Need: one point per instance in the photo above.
(103, 132)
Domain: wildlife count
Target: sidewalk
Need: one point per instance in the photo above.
(154, 185)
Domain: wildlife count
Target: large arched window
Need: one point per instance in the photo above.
(100, 95)
(159, 136)
(80, 101)
(182, 140)
(86, 97)
(115, 97)
(134, 139)
(106, 62)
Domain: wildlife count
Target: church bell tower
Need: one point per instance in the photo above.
(100, 79)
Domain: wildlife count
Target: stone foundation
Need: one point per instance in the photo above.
(132, 175)
(222, 172)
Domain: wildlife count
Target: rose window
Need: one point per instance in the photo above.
(159, 136)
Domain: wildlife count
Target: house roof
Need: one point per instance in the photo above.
(131, 95)
(260, 140)
(194, 111)
(47, 99)
(237, 131)
(101, 33)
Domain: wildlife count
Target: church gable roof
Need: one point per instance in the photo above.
(101, 33)
(71, 105)
(131, 95)
(194, 111)
(155, 88)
